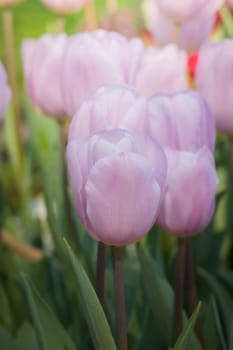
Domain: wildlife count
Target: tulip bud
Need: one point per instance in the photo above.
(64, 6)
(43, 65)
(181, 121)
(189, 198)
(109, 108)
(5, 91)
(214, 81)
(117, 180)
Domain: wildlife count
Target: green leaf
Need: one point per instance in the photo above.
(212, 331)
(6, 341)
(224, 298)
(184, 338)
(227, 21)
(95, 317)
(160, 297)
(26, 338)
(231, 337)
(50, 333)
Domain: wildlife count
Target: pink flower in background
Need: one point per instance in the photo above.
(189, 198)
(183, 11)
(65, 6)
(9, 2)
(181, 121)
(43, 65)
(109, 108)
(161, 71)
(94, 59)
(117, 180)
(214, 80)
(5, 91)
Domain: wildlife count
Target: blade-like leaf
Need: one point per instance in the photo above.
(26, 338)
(50, 333)
(213, 335)
(6, 341)
(160, 297)
(231, 336)
(184, 338)
(95, 317)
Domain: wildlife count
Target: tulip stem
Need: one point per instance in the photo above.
(90, 16)
(120, 298)
(179, 289)
(100, 268)
(112, 6)
(11, 70)
(60, 24)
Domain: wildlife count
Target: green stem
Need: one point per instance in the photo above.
(120, 298)
(179, 289)
(60, 24)
(100, 268)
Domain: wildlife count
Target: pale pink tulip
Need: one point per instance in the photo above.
(214, 79)
(43, 65)
(181, 121)
(117, 180)
(109, 108)
(189, 198)
(65, 6)
(5, 91)
(182, 11)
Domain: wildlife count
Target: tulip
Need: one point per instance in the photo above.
(109, 108)
(214, 81)
(94, 59)
(6, 3)
(181, 121)
(189, 198)
(182, 11)
(43, 63)
(188, 35)
(161, 71)
(64, 6)
(117, 180)
(5, 91)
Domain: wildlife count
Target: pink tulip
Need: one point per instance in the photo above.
(43, 65)
(182, 11)
(5, 91)
(189, 198)
(117, 180)
(65, 6)
(214, 79)
(181, 121)
(161, 71)
(94, 59)
(230, 3)
(9, 2)
(188, 36)
(109, 108)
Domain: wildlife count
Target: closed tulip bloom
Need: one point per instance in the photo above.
(109, 108)
(188, 203)
(5, 91)
(181, 11)
(117, 180)
(43, 64)
(214, 80)
(162, 71)
(181, 121)
(64, 6)
(98, 58)
(9, 2)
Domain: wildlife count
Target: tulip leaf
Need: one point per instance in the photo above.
(26, 338)
(231, 336)
(184, 338)
(6, 341)
(223, 297)
(50, 333)
(93, 311)
(213, 335)
(227, 21)
(160, 297)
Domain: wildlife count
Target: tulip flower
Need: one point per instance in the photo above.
(214, 81)
(117, 180)
(64, 6)
(161, 71)
(181, 121)
(109, 108)
(43, 63)
(6, 3)
(182, 11)
(189, 198)
(5, 91)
